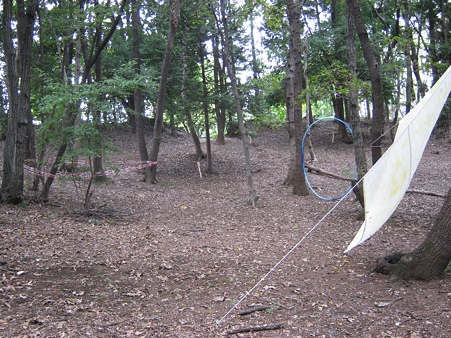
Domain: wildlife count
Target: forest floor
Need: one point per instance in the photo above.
(171, 259)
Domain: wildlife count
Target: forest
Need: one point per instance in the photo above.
(153, 167)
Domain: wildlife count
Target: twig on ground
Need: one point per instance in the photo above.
(253, 309)
(256, 328)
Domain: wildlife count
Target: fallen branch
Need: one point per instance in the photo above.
(256, 328)
(323, 172)
(326, 173)
(253, 309)
(430, 193)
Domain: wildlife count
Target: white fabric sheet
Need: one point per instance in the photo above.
(387, 181)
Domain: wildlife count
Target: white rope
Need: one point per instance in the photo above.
(302, 239)
(389, 129)
(289, 252)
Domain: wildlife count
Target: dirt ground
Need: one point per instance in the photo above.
(172, 259)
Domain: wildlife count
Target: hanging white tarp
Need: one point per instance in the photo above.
(387, 181)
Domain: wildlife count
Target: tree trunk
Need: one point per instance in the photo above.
(340, 113)
(309, 114)
(407, 50)
(255, 72)
(377, 128)
(189, 118)
(209, 169)
(289, 180)
(151, 172)
(431, 258)
(219, 105)
(225, 42)
(97, 162)
(18, 77)
(353, 105)
(299, 185)
(137, 102)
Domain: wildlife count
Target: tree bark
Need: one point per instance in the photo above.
(97, 162)
(151, 172)
(139, 118)
(209, 169)
(353, 106)
(309, 114)
(299, 184)
(430, 259)
(18, 77)
(407, 52)
(255, 72)
(377, 128)
(219, 105)
(340, 114)
(289, 93)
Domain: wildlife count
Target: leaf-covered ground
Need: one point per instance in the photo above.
(171, 260)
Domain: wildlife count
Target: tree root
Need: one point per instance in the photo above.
(389, 264)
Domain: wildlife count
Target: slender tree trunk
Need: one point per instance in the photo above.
(407, 50)
(225, 42)
(209, 169)
(433, 50)
(139, 117)
(368, 109)
(37, 178)
(68, 120)
(289, 180)
(308, 105)
(151, 172)
(299, 185)
(189, 118)
(353, 104)
(377, 128)
(255, 72)
(97, 162)
(219, 105)
(337, 98)
(340, 113)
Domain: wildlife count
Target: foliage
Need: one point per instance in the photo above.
(68, 34)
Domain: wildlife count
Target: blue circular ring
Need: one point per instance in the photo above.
(303, 164)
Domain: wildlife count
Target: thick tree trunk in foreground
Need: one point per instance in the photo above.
(151, 172)
(377, 128)
(431, 258)
(18, 68)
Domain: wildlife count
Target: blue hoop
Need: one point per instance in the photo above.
(303, 164)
